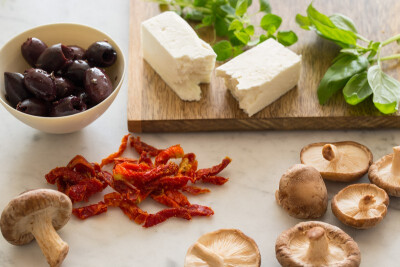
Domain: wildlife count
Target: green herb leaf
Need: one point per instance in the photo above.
(270, 23)
(221, 26)
(326, 29)
(249, 30)
(236, 25)
(374, 47)
(207, 20)
(357, 89)
(241, 7)
(253, 42)
(287, 38)
(194, 15)
(338, 74)
(242, 36)
(386, 90)
(343, 22)
(199, 2)
(303, 22)
(237, 50)
(228, 9)
(265, 6)
(263, 37)
(223, 49)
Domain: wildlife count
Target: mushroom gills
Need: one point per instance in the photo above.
(315, 248)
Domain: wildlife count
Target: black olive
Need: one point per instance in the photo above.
(15, 88)
(101, 54)
(32, 49)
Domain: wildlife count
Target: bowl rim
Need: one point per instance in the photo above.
(108, 37)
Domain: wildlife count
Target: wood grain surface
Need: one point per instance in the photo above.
(154, 107)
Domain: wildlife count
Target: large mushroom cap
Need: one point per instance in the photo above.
(225, 247)
(302, 192)
(17, 218)
(360, 205)
(385, 173)
(316, 244)
(339, 161)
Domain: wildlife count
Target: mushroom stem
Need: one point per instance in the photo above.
(51, 244)
(396, 161)
(318, 248)
(366, 202)
(207, 255)
(330, 152)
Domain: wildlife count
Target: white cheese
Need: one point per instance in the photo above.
(177, 54)
(261, 75)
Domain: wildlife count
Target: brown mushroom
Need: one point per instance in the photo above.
(344, 161)
(302, 192)
(37, 214)
(316, 244)
(361, 206)
(385, 173)
(225, 247)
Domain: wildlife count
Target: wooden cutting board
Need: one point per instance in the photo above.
(154, 107)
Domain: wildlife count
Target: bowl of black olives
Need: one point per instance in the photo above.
(59, 78)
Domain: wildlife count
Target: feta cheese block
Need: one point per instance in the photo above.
(261, 75)
(177, 54)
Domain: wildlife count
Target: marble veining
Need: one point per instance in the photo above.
(246, 202)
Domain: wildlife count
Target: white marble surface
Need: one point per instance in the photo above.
(246, 202)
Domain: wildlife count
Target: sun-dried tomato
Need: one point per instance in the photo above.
(161, 216)
(165, 200)
(199, 210)
(137, 167)
(194, 190)
(178, 197)
(133, 212)
(188, 165)
(122, 159)
(113, 199)
(169, 182)
(64, 173)
(81, 165)
(105, 177)
(172, 152)
(141, 146)
(114, 155)
(217, 180)
(144, 158)
(200, 174)
(147, 176)
(89, 211)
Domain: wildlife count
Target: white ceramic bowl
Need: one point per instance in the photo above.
(11, 60)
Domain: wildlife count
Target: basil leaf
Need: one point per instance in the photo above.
(223, 49)
(270, 23)
(386, 90)
(373, 46)
(303, 22)
(338, 74)
(287, 38)
(326, 29)
(265, 6)
(343, 22)
(241, 7)
(242, 36)
(357, 89)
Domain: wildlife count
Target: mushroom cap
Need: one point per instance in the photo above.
(348, 205)
(232, 246)
(302, 192)
(352, 164)
(380, 174)
(16, 219)
(292, 245)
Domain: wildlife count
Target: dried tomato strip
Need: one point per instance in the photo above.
(178, 197)
(174, 152)
(114, 155)
(200, 174)
(169, 182)
(194, 190)
(144, 158)
(217, 180)
(161, 216)
(133, 212)
(65, 174)
(141, 146)
(165, 200)
(188, 165)
(147, 176)
(137, 167)
(81, 165)
(122, 159)
(113, 199)
(89, 211)
(199, 210)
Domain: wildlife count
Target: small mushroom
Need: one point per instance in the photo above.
(225, 247)
(385, 173)
(302, 192)
(316, 244)
(361, 206)
(37, 214)
(341, 161)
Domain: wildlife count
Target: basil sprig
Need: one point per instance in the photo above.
(230, 19)
(357, 68)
